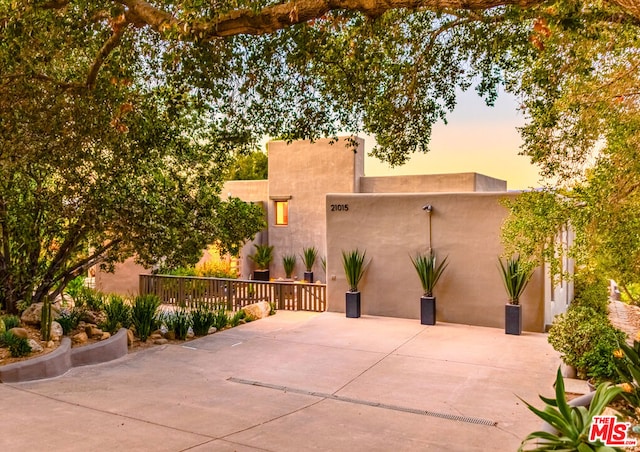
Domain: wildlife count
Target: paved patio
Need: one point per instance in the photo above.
(293, 382)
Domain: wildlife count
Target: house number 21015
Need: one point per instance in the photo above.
(339, 207)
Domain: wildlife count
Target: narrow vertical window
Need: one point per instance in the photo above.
(282, 213)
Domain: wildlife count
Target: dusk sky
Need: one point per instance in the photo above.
(477, 139)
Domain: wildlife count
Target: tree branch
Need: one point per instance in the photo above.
(107, 48)
(276, 17)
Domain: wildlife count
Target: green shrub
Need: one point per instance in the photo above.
(235, 319)
(591, 290)
(143, 314)
(18, 346)
(632, 289)
(90, 299)
(180, 271)
(220, 319)
(586, 339)
(118, 313)
(11, 321)
(69, 319)
(75, 286)
(181, 323)
(203, 318)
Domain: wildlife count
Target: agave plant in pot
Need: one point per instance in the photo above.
(309, 256)
(262, 258)
(289, 263)
(515, 276)
(354, 268)
(429, 273)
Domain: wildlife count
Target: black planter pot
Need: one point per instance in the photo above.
(428, 310)
(261, 275)
(353, 305)
(308, 276)
(513, 319)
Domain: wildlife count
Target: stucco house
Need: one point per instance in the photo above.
(318, 195)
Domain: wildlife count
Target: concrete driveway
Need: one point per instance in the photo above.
(293, 382)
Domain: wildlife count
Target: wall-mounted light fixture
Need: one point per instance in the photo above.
(427, 208)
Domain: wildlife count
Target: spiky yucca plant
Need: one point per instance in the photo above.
(309, 256)
(428, 272)
(354, 267)
(515, 277)
(289, 263)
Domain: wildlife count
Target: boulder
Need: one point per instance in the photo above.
(35, 346)
(258, 310)
(161, 341)
(93, 331)
(51, 344)
(33, 314)
(80, 338)
(106, 335)
(92, 317)
(56, 331)
(19, 332)
(155, 336)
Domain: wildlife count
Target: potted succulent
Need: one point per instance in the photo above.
(515, 277)
(309, 258)
(354, 268)
(289, 263)
(429, 273)
(262, 258)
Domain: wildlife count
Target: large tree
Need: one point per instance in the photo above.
(98, 94)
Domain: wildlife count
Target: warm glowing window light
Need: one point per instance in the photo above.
(282, 213)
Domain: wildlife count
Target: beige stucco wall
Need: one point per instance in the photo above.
(306, 172)
(431, 183)
(391, 227)
(125, 280)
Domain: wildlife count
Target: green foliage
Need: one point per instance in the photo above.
(18, 346)
(515, 277)
(202, 318)
(216, 269)
(179, 271)
(220, 319)
(272, 308)
(69, 319)
(354, 266)
(180, 323)
(236, 318)
(75, 286)
(309, 257)
(627, 362)
(586, 340)
(143, 314)
(89, 298)
(262, 256)
(11, 321)
(289, 263)
(428, 271)
(118, 312)
(630, 293)
(251, 166)
(591, 289)
(571, 423)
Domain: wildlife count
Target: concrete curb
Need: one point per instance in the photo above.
(64, 358)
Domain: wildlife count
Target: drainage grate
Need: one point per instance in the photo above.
(450, 417)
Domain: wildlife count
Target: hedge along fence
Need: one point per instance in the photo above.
(234, 294)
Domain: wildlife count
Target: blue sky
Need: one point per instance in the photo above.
(477, 139)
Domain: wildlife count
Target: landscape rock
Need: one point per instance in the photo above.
(93, 331)
(161, 341)
(19, 332)
(51, 344)
(33, 314)
(80, 338)
(258, 310)
(92, 317)
(212, 330)
(129, 337)
(155, 336)
(106, 335)
(35, 346)
(56, 331)
(190, 334)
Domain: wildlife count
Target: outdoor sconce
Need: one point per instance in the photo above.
(427, 208)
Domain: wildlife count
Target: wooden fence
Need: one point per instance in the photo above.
(234, 293)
